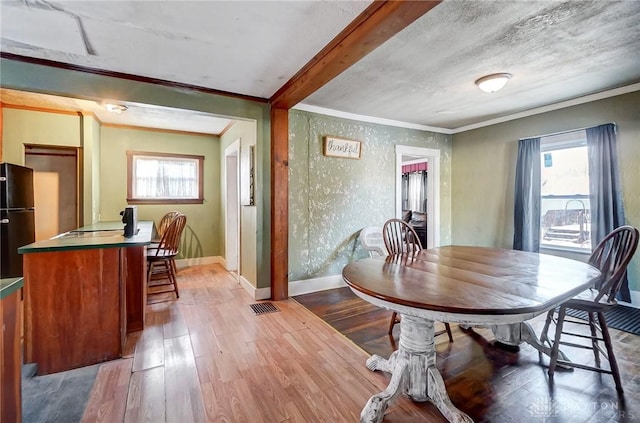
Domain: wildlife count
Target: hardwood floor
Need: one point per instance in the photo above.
(208, 357)
(492, 384)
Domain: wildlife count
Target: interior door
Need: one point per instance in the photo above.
(55, 183)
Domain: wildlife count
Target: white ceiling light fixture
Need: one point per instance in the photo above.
(494, 82)
(115, 108)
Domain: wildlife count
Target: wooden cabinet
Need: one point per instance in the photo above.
(10, 358)
(134, 261)
(84, 290)
(73, 308)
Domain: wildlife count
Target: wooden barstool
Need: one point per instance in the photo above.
(161, 263)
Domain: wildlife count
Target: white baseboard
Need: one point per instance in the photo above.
(182, 263)
(307, 286)
(255, 293)
(635, 300)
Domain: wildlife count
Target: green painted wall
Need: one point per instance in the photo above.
(202, 235)
(50, 80)
(43, 128)
(91, 192)
(332, 199)
(484, 168)
(245, 131)
(22, 127)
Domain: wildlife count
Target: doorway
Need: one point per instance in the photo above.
(56, 186)
(405, 153)
(232, 207)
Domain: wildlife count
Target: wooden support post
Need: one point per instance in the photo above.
(279, 204)
(376, 24)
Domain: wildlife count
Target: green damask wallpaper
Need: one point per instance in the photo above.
(331, 199)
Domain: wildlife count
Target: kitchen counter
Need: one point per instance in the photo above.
(10, 285)
(84, 290)
(97, 235)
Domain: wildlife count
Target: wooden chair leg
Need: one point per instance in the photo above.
(167, 270)
(174, 272)
(594, 338)
(392, 322)
(612, 358)
(556, 343)
(544, 335)
(447, 327)
(149, 271)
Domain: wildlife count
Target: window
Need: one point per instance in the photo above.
(565, 208)
(414, 185)
(158, 178)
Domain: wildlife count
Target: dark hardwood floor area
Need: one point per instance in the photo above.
(490, 383)
(207, 357)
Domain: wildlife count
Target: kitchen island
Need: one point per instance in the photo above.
(10, 359)
(83, 291)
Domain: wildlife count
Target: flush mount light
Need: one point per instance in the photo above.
(494, 82)
(115, 108)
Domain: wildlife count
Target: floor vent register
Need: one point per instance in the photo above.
(264, 308)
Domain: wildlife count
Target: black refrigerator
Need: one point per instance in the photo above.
(17, 225)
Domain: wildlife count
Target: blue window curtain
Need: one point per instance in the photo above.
(526, 213)
(607, 212)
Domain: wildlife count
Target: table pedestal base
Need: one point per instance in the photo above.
(414, 373)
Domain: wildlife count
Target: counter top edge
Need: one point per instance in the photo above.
(10, 285)
(144, 236)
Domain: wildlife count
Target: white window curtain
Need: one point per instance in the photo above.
(156, 178)
(417, 191)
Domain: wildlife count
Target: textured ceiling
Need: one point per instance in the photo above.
(244, 47)
(140, 115)
(556, 50)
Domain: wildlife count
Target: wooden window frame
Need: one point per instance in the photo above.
(132, 200)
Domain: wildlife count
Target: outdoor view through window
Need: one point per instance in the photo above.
(565, 209)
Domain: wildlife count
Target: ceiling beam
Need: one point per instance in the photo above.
(375, 25)
(126, 76)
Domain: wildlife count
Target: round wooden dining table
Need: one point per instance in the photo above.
(472, 286)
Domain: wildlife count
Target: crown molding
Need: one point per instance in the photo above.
(551, 107)
(531, 112)
(371, 119)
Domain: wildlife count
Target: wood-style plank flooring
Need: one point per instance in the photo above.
(491, 384)
(207, 357)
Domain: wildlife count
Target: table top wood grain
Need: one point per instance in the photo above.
(472, 280)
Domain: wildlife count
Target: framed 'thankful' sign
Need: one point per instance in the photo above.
(340, 147)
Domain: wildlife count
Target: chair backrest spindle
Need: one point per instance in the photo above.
(611, 256)
(170, 241)
(400, 237)
(166, 221)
